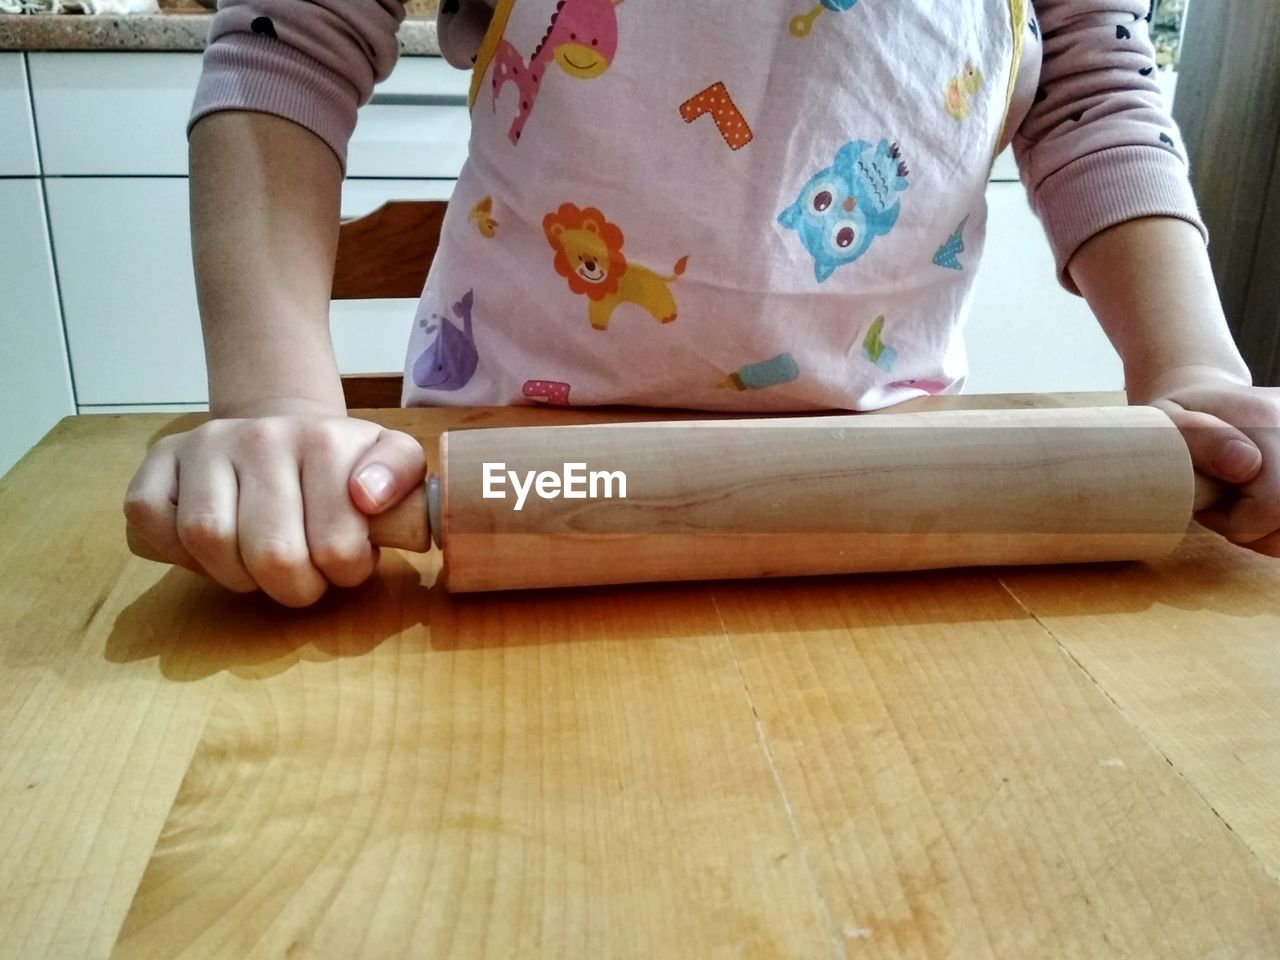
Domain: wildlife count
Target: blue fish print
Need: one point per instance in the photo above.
(848, 204)
(450, 361)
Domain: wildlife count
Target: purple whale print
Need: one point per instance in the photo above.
(450, 361)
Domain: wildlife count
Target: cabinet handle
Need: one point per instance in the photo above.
(418, 100)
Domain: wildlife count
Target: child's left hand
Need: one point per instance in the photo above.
(1233, 432)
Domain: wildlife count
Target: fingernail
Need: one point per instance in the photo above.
(1238, 460)
(375, 479)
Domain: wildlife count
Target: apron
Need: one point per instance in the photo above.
(718, 206)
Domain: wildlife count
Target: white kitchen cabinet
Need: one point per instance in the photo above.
(128, 293)
(1005, 169)
(128, 297)
(35, 383)
(113, 113)
(17, 133)
(417, 125)
(125, 114)
(1026, 333)
(112, 129)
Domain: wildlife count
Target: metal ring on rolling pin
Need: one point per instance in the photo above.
(433, 511)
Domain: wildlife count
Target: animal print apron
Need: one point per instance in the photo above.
(721, 206)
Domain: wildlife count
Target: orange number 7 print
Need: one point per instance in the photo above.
(716, 101)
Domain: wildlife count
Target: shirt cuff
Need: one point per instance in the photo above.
(1109, 187)
(262, 75)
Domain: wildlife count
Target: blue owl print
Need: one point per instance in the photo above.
(848, 204)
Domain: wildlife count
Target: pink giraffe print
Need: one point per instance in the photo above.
(582, 40)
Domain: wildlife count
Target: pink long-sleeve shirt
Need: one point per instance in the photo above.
(847, 154)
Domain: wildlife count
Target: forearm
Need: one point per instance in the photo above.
(1150, 285)
(265, 200)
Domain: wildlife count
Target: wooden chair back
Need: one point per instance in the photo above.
(382, 255)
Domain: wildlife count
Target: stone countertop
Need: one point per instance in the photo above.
(154, 32)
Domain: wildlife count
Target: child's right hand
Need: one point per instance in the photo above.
(275, 503)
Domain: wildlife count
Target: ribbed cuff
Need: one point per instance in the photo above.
(260, 74)
(1109, 187)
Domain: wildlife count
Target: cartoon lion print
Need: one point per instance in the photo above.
(589, 256)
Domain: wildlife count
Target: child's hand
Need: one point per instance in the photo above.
(1233, 432)
(273, 503)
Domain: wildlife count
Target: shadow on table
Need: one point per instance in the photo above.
(1206, 574)
(179, 424)
(195, 629)
(706, 611)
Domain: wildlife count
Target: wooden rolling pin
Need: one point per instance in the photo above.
(790, 496)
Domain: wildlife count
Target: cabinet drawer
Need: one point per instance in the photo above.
(1026, 334)
(17, 134)
(35, 386)
(88, 105)
(124, 260)
(1005, 169)
(113, 113)
(123, 248)
(416, 125)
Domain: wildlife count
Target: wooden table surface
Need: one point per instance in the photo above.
(1030, 763)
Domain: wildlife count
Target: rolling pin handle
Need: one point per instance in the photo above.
(404, 526)
(1209, 492)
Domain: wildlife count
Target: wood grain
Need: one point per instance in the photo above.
(369, 391)
(1019, 763)
(1260, 329)
(1228, 107)
(967, 791)
(575, 776)
(1189, 650)
(810, 495)
(93, 744)
(388, 252)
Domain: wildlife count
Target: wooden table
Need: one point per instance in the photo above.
(1031, 763)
